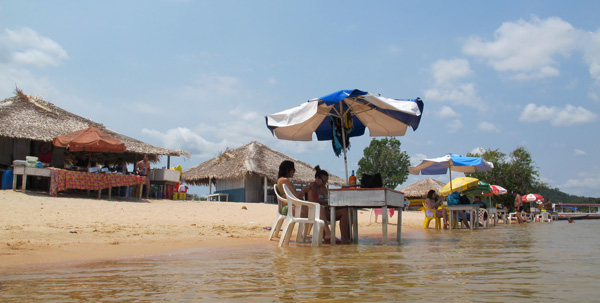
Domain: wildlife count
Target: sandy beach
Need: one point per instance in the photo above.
(39, 230)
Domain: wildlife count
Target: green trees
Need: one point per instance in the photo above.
(517, 172)
(384, 156)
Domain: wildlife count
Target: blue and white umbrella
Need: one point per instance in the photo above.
(344, 114)
(441, 165)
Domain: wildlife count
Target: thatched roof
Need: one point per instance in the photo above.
(29, 117)
(253, 157)
(419, 189)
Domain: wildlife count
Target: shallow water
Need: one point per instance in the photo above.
(537, 262)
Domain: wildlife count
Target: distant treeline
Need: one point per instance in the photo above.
(556, 196)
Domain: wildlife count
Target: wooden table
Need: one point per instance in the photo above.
(471, 208)
(355, 198)
(28, 171)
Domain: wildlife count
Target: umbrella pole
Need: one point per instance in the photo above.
(341, 113)
(344, 149)
(450, 170)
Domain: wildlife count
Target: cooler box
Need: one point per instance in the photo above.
(165, 175)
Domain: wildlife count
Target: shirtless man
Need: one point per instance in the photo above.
(142, 168)
(518, 206)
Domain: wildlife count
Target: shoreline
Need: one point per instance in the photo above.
(40, 231)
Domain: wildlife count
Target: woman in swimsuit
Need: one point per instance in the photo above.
(433, 202)
(318, 193)
(286, 172)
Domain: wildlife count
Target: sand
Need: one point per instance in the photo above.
(39, 230)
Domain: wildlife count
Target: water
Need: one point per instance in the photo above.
(536, 262)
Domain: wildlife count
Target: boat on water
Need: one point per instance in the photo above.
(577, 211)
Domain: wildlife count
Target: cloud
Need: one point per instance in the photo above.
(446, 112)
(579, 152)
(450, 85)
(527, 49)
(591, 54)
(206, 88)
(447, 72)
(478, 151)
(207, 139)
(182, 138)
(454, 126)
(25, 46)
(394, 49)
(488, 127)
(570, 115)
(417, 158)
(585, 183)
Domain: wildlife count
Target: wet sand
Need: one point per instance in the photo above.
(39, 230)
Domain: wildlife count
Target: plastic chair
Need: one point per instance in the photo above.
(281, 202)
(183, 192)
(438, 222)
(314, 213)
(543, 217)
(378, 211)
(483, 217)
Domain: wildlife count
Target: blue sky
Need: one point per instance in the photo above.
(201, 75)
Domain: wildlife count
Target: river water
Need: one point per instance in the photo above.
(536, 262)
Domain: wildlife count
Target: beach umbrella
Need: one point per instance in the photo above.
(459, 184)
(344, 114)
(90, 139)
(532, 198)
(496, 190)
(449, 163)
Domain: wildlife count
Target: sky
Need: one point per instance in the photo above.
(201, 76)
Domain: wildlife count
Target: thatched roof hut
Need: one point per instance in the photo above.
(419, 189)
(253, 157)
(246, 172)
(32, 118)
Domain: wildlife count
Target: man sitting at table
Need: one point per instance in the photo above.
(455, 199)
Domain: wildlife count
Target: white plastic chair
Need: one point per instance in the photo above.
(280, 218)
(543, 217)
(314, 213)
(482, 213)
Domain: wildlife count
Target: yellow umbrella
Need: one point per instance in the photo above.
(459, 184)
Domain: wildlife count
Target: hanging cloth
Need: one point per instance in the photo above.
(336, 135)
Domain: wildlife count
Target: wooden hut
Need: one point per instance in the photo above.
(417, 192)
(28, 124)
(247, 173)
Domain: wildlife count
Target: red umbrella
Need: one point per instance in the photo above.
(532, 198)
(496, 190)
(90, 139)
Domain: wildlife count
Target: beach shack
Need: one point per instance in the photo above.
(417, 192)
(29, 124)
(247, 173)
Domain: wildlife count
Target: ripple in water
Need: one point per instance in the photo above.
(535, 262)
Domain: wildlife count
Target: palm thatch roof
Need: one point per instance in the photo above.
(253, 157)
(30, 117)
(419, 189)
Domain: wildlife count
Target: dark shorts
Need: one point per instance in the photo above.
(520, 209)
